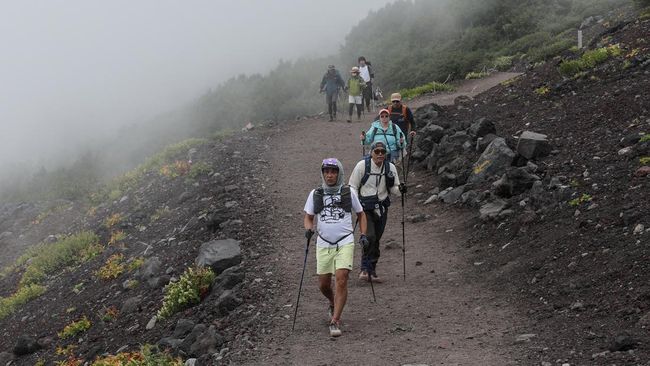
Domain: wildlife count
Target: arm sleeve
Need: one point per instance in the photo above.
(355, 178)
(411, 119)
(400, 134)
(356, 204)
(371, 71)
(323, 81)
(309, 205)
(340, 80)
(368, 139)
(395, 188)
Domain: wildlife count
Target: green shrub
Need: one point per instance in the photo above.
(426, 88)
(503, 63)
(589, 60)
(75, 328)
(542, 90)
(199, 168)
(644, 160)
(55, 257)
(26, 293)
(148, 356)
(113, 267)
(645, 138)
(189, 290)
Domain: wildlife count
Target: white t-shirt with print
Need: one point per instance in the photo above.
(364, 72)
(333, 223)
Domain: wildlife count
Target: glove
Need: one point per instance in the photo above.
(402, 188)
(363, 240)
(309, 233)
(321, 91)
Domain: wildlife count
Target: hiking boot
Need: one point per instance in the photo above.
(363, 276)
(349, 121)
(376, 279)
(335, 328)
(331, 119)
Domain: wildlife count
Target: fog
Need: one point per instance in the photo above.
(74, 71)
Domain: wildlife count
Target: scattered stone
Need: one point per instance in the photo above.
(491, 210)
(638, 229)
(642, 171)
(6, 358)
(190, 362)
(482, 127)
(150, 268)
(432, 198)
(151, 323)
(494, 161)
(417, 218)
(231, 188)
(25, 345)
(525, 337)
(131, 305)
(183, 328)
(231, 204)
(453, 195)
(578, 306)
(219, 254)
(533, 145)
(623, 342)
(206, 343)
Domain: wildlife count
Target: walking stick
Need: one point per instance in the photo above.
(302, 277)
(405, 169)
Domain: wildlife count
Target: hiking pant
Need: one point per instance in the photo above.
(367, 94)
(375, 229)
(330, 99)
(359, 109)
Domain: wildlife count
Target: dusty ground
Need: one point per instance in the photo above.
(441, 314)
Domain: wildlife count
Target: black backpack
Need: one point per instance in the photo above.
(390, 178)
(345, 203)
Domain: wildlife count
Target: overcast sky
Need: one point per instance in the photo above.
(73, 69)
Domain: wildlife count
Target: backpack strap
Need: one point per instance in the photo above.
(345, 203)
(390, 178)
(318, 200)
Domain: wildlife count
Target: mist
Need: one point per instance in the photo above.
(73, 72)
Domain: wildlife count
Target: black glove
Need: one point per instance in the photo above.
(363, 240)
(402, 188)
(309, 233)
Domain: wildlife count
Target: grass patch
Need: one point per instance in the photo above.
(431, 87)
(542, 90)
(645, 138)
(148, 355)
(476, 75)
(580, 200)
(113, 267)
(503, 63)
(189, 290)
(75, 328)
(52, 258)
(26, 293)
(589, 60)
(644, 160)
(116, 237)
(200, 168)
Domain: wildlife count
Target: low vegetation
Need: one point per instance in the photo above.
(147, 356)
(580, 200)
(476, 75)
(75, 328)
(431, 87)
(51, 258)
(589, 60)
(193, 285)
(26, 293)
(113, 267)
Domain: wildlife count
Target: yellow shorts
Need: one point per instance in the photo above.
(328, 260)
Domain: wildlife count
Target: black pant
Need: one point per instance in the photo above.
(367, 95)
(330, 99)
(374, 231)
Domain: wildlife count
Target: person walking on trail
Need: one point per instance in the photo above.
(367, 74)
(330, 84)
(328, 213)
(401, 115)
(355, 87)
(373, 179)
(384, 130)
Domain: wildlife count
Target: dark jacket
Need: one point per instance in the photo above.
(332, 80)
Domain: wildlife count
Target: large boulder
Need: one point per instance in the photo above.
(533, 145)
(482, 127)
(206, 343)
(515, 181)
(26, 345)
(491, 210)
(219, 255)
(426, 114)
(496, 158)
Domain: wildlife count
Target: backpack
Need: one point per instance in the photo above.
(345, 203)
(372, 202)
(404, 114)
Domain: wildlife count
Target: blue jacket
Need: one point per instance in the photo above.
(386, 136)
(332, 80)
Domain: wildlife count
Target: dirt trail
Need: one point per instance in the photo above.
(440, 315)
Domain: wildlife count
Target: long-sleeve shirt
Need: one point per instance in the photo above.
(376, 183)
(388, 136)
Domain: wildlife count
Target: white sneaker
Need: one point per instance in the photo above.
(335, 329)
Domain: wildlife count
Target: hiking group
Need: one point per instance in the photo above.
(328, 208)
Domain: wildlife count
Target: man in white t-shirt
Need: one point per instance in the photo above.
(366, 73)
(328, 210)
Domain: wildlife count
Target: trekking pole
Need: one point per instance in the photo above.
(405, 173)
(372, 287)
(409, 159)
(302, 277)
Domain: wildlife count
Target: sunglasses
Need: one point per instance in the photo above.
(396, 101)
(379, 151)
(383, 116)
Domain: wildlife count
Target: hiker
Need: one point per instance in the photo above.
(367, 74)
(330, 84)
(383, 129)
(401, 115)
(330, 206)
(355, 88)
(372, 179)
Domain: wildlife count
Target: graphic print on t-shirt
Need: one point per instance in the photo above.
(332, 212)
